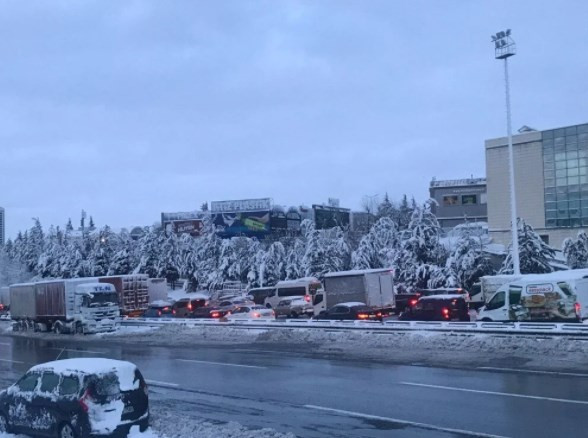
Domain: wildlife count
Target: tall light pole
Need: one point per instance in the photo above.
(505, 47)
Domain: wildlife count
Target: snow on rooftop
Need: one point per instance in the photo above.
(352, 304)
(443, 297)
(124, 370)
(356, 272)
(297, 281)
(458, 182)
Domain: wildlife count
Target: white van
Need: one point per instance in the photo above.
(301, 287)
(533, 298)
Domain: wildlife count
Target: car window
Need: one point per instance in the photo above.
(181, 304)
(70, 385)
(565, 288)
(49, 382)
(105, 385)
(340, 309)
(284, 303)
(291, 291)
(28, 383)
(318, 299)
(226, 303)
(514, 295)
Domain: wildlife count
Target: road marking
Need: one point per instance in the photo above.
(10, 361)
(220, 363)
(158, 383)
(76, 351)
(506, 394)
(555, 373)
(468, 433)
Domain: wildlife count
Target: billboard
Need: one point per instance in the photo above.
(245, 223)
(243, 205)
(329, 217)
(192, 227)
(180, 216)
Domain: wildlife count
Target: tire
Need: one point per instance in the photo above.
(294, 315)
(57, 328)
(66, 431)
(78, 329)
(4, 426)
(486, 320)
(144, 425)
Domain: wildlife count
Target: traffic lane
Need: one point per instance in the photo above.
(320, 383)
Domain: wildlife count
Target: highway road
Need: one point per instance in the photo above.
(312, 396)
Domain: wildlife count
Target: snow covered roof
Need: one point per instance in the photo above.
(352, 304)
(443, 297)
(458, 182)
(124, 370)
(297, 281)
(356, 272)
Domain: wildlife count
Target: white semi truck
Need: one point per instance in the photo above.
(65, 306)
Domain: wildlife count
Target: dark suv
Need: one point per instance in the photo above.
(76, 398)
(438, 308)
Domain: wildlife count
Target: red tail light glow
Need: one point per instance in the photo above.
(256, 315)
(379, 314)
(189, 306)
(363, 316)
(413, 302)
(215, 314)
(445, 312)
(578, 308)
(159, 313)
(307, 298)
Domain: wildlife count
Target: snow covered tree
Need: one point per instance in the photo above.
(274, 263)
(294, 268)
(387, 209)
(468, 261)
(150, 248)
(534, 254)
(420, 249)
(576, 251)
(314, 257)
(33, 246)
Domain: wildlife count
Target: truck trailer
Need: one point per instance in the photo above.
(133, 292)
(374, 287)
(65, 306)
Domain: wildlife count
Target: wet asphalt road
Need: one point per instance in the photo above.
(314, 397)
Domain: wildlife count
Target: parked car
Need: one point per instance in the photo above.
(160, 309)
(294, 308)
(404, 300)
(214, 312)
(76, 398)
(438, 308)
(350, 311)
(254, 312)
(444, 291)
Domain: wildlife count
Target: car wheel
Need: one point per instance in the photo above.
(4, 428)
(66, 431)
(486, 320)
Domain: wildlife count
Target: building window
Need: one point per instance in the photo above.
(450, 200)
(469, 199)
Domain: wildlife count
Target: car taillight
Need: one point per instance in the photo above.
(215, 314)
(363, 316)
(307, 298)
(256, 315)
(189, 306)
(84, 400)
(174, 312)
(379, 314)
(159, 313)
(578, 308)
(445, 312)
(413, 302)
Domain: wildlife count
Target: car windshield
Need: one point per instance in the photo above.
(101, 299)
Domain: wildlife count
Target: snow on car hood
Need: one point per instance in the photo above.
(83, 366)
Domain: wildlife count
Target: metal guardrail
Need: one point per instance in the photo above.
(390, 326)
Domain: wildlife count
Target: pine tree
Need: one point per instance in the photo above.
(294, 268)
(69, 227)
(274, 263)
(534, 254)
(576, 251)
(468, 261)
(387, 209)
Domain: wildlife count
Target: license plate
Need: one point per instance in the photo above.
(128, 410)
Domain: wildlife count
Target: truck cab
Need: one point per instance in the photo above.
(96, 308)
(531, 301)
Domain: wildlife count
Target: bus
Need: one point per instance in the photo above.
(301, 287)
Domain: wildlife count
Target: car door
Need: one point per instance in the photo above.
(496, 309)
(20, 408)
(46, 404)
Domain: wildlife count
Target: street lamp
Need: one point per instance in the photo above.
(505, 47)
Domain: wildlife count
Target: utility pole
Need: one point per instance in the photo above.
(505, 47)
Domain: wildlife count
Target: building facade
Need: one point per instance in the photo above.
(551, 180)
(459, 201)
(2, 226)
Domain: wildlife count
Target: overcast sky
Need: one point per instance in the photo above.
(130, 108)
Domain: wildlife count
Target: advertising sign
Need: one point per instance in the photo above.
(542, 289)
(243, 205)
(180, 216)
(193, 227)
(247, 223)
(329, 217)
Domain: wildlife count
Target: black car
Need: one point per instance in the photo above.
(438, 308)
(350, 311)
(76, 398)
(213, 312)
(160, 310)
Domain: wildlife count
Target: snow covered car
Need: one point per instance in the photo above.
(294, 307)
(350, 311)
(251, 312)
(76, 398)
